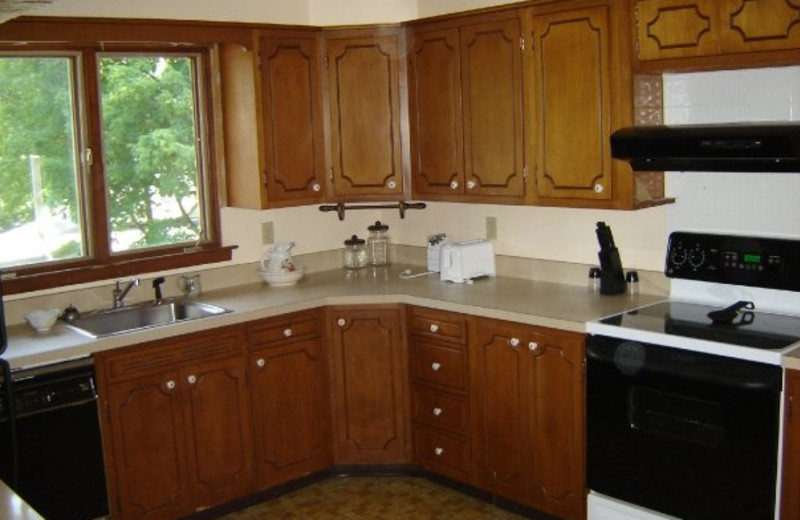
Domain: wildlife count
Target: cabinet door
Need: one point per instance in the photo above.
(147, 434)
(218, 431)
(369, 370)
(434, 91)
(760, 25)
(677, 28)
(291, 119)
(570, 74)
(492, 96)
(364, 98)
(501, 371)
(790, 492)
(557, 425)
(291, 416)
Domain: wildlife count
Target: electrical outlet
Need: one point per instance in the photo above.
(267, 233)
(491, 228)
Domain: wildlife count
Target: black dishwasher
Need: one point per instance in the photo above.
(50, 450)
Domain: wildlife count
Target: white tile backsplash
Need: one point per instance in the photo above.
(745, 203)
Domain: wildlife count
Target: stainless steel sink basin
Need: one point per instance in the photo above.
(143, 316)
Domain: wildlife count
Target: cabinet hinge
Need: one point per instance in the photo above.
(264, 178)
(525, 172)
(325, 60)
(522, 43)
(330, 173)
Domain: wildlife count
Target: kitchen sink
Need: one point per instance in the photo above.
(110, 322)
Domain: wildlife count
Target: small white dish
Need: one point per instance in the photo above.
(284, 278)
(42, 320)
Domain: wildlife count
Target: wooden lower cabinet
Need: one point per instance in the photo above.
(176, 425)
(790, 479)
(289, 392)
(528, 400)
(369, 385)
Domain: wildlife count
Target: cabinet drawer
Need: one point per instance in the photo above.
(441, 325)
(442, 453)
(442, 366)
(440, 410)
(282, 328)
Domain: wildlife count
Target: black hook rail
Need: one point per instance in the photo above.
(401, 206)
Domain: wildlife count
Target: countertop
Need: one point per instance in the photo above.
(13, 507)
(560, 306)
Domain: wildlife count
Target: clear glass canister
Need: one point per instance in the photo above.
(378, 244)
(354, 254)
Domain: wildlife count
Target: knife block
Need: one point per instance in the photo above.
(612, 277)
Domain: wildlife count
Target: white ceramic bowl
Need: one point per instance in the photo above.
(42, 320)
(282, 279)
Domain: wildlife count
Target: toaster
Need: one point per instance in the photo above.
(463, 261)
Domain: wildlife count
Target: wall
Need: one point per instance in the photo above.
(746, 203)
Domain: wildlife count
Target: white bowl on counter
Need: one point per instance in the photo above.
(42, 320)
(282, 278)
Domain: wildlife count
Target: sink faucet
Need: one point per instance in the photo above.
(159, 298)
(119, 294)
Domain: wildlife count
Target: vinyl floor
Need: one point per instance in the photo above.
(373, 498)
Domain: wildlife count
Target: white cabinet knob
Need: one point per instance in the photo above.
(341, 322)
(287, 333)
(260, 362)
(436, 366)
(438, 451)
(391, 184)
(316, 187)
(471, 184)
(598, 188)
(437, 411)
(514, 342)
(192, 379)
(453, 185)
(532, 346)
(434, 328)
(170, 384)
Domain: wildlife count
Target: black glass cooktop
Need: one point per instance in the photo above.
(749, 328)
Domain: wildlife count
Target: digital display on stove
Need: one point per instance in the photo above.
(751, 258)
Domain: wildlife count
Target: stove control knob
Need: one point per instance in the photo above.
(697, 257)
(678, 256)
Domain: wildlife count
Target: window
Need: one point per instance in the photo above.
(105, 163)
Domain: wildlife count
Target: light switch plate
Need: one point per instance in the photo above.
(491, 228)
(267, 233)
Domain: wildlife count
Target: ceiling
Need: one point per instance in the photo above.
(12, 8)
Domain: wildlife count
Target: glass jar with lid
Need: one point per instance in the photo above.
(378, 244)
(354, 254)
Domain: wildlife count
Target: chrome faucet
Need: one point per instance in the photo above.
(120, 294)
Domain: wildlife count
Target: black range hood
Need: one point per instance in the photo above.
(734, 147)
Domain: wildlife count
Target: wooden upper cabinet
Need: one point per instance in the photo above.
(716, 33)
(434, 85)
(571, 101)
(491, 75)
(364, 103)
(291, 118)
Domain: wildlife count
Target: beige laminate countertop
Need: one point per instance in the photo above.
(13, 507)
(560, 306)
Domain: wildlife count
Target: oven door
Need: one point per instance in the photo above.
(683, 433)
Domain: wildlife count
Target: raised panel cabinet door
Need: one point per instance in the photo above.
(677, 28)
(571, 78)
(150, 457)
(557, 425)
(434, 91)
(500, 371)
(219, 431)
(369, 386)
(364, 98)
(760, 25)
(491, 72)
(290, 415)
(294, 165)
(790, 481)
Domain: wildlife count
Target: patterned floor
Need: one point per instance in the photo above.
(373, 498)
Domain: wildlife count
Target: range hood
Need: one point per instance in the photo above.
(734, 147)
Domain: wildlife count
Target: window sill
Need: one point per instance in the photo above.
(28, 282)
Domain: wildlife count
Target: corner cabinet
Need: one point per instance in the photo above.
(465, 106)
(369, 367)
(176, 425)
(364, 100)
(675, 34)
(289, 392)
(527, 388)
